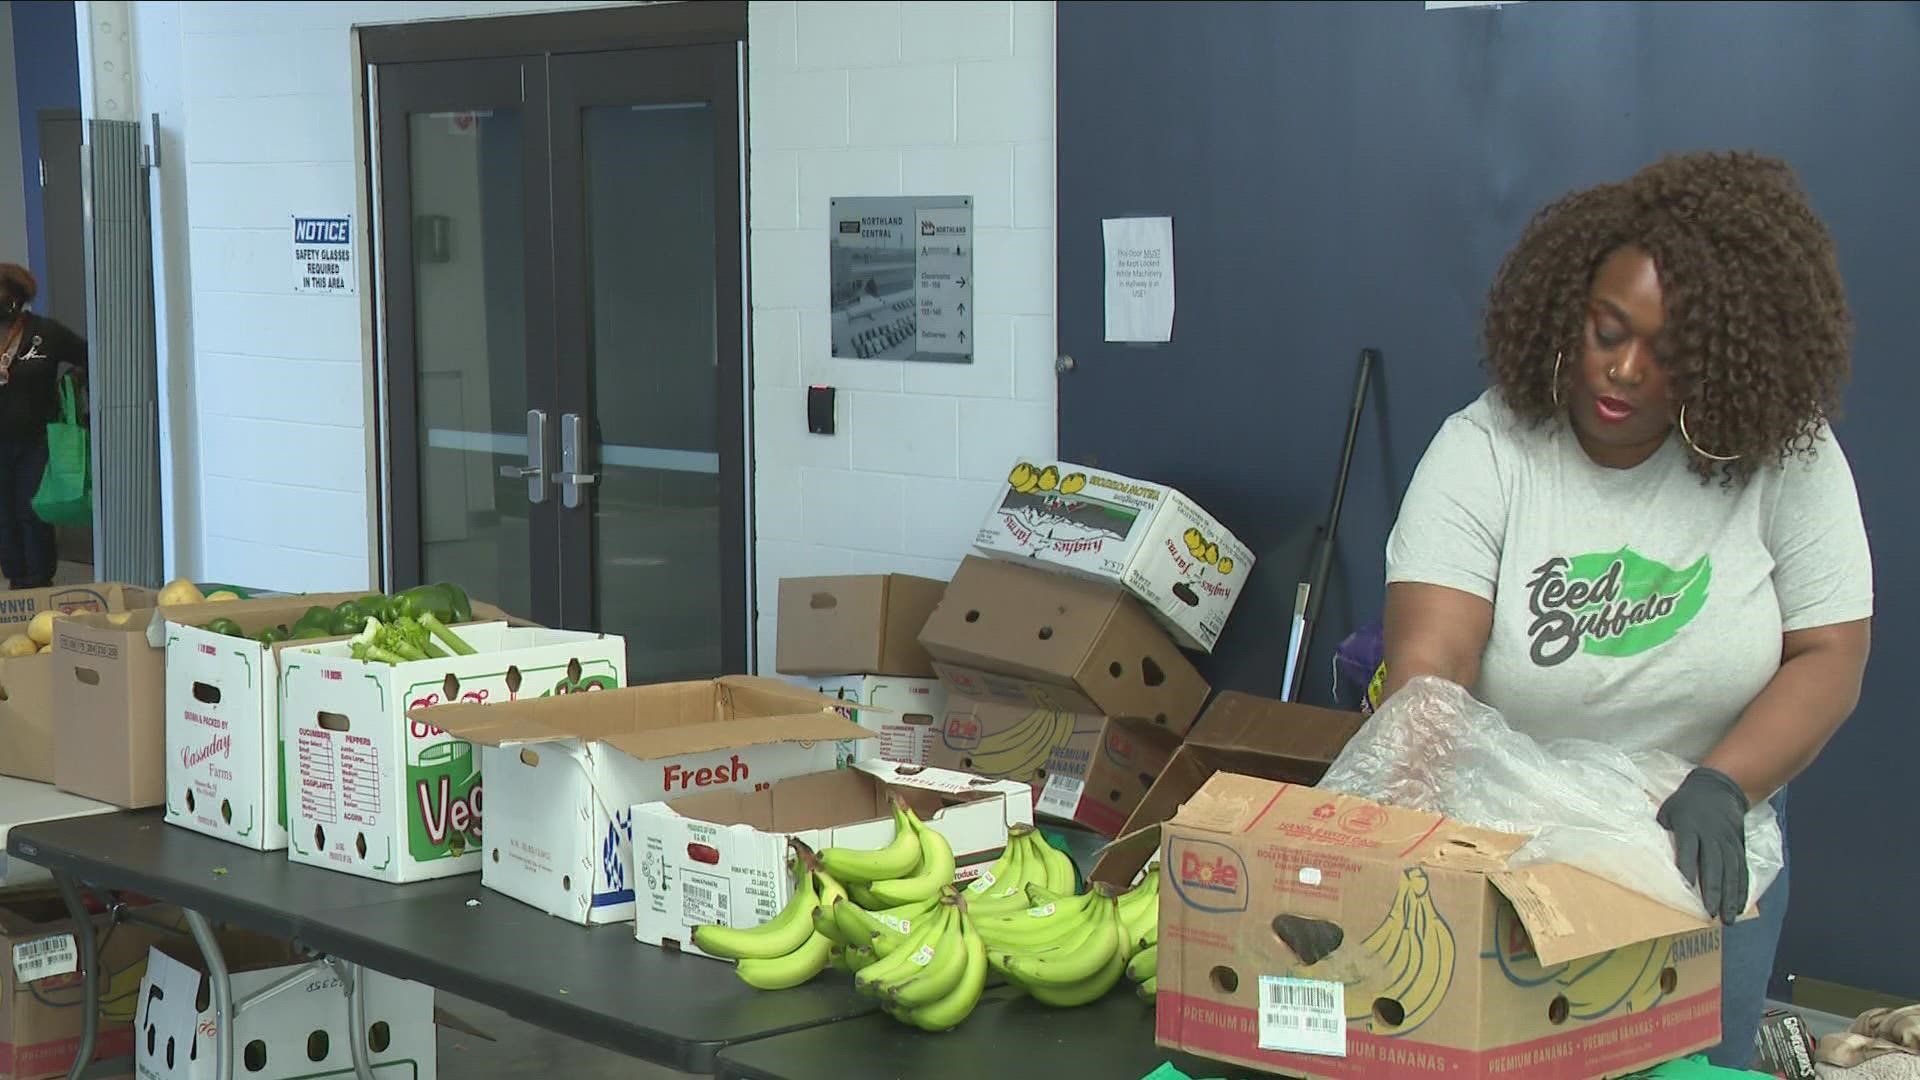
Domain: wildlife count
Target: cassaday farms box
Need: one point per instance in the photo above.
(903, 714)
(223, 719)
(1317, 935)
(380, 794)
(563, 775)
(1148, 538)
(721, 857)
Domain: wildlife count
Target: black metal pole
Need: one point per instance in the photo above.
(1330, 531)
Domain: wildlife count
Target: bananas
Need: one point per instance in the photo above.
(780, 936)
(786, 972)
(947, 1012)
(1059, 868)
(897, 859)
(1145, 964)
(1407, 962)
(935, 858)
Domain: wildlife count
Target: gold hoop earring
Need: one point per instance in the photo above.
(1554, 387)
(1695, 447)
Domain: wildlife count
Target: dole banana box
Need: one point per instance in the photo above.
(1145, 537)
(1317, 935)
(903, 714)
(223, 719)
(375, 785)
(722, 856)
(564, 773)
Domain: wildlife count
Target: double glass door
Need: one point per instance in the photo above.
(561, 283)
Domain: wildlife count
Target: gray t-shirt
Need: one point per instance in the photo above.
(1640, 607)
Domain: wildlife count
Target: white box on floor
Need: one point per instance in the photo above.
(721, 857)
(1147, 538)
(383, 794)
(903, 714)
(563, 775)
(299, 1033)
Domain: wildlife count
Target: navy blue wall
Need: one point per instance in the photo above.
(46, 62)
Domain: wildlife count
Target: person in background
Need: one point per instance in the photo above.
(34, 351)
(1645, 533)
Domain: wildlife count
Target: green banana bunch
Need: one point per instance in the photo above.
(1149, 991)
(786, 972)
(898, 859)
(829, 890)
(931, 973)
(918, 946)
(1140, 909)
(779, 936)
(1037, 928)
(946, 1012)
(935, 871)
(1002, 886)
(880, 931)
(1081, 966)
(1145, 964)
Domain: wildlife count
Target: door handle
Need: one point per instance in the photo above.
(573, 474)
(534, 471)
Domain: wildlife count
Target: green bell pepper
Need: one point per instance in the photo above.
(462, 607)
(348, 619)
(426, 600)
(225, 627)
(380, 606)
(308, 633)
(271, 635)
(315, 618)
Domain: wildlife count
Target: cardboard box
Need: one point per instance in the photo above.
(223, 719)
(1239, 733)
(109, 691)
(857, 625)
(563, 775)
(26, 682)
(1319, 935)
(41, 991)
(902, 713)
(1147, 538)
(1022, 636)
(375, 786)
(299, 1033)
(21, 605)
(1089, 770)
(721, 856)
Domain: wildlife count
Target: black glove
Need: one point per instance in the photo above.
(1707, 816)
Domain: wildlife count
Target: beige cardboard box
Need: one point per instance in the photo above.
(1019, 635)
(903, 713)
(109, 691)
(26, 682)
(1090, 770)
(721, 856)
(40, 985)
(1319, 935)
(564, 773)
(1144, 537)
(855, 625)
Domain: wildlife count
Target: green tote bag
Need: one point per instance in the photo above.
(66, 490)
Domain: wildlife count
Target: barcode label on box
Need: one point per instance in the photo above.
(703, 900)
(1061, 796)
(44, 958)
(1303, 1016)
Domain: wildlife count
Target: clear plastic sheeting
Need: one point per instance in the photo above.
(1433, 747)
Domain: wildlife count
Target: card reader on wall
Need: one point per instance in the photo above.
(820, 410)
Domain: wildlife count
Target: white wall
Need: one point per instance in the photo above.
(268, 421)
(13, 194)
(883, 98)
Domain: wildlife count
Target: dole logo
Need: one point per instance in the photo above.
(1207, 876)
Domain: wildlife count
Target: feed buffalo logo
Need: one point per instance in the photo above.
(1617, 603)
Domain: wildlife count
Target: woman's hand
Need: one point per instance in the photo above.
(1707, 815)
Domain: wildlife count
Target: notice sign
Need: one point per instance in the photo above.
(1139, 278)
(323, 255)
(900, 270)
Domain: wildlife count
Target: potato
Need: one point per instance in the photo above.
(119, 618)
(222, 595)
(180, 591)
(18, 645)
(41, 628)
(46, 648)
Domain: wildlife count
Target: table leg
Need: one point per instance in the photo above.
(89, 973)
(223, 1012)
(357, 1022)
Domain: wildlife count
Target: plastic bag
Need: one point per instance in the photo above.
(65, 495)
(1433, 747)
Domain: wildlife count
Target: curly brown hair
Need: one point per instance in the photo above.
(1757, 336)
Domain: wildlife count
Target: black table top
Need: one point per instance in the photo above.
(1007, 1035)
(598, 985)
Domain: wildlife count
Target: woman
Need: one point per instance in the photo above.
(1645, 533)
(33, 352)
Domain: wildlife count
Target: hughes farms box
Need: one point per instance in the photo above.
(1318, 935)
(1015, 634)
(721, 857)
(375, 786)
(1090, 770)
(1148, 538)
(223, 719)
(299, 1032)
(854, 625)
(563, 775)
(109, 690)
(902, 713)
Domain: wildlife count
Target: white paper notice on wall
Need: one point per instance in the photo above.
(1139, 278)
(1442, 5)
(323, 255)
